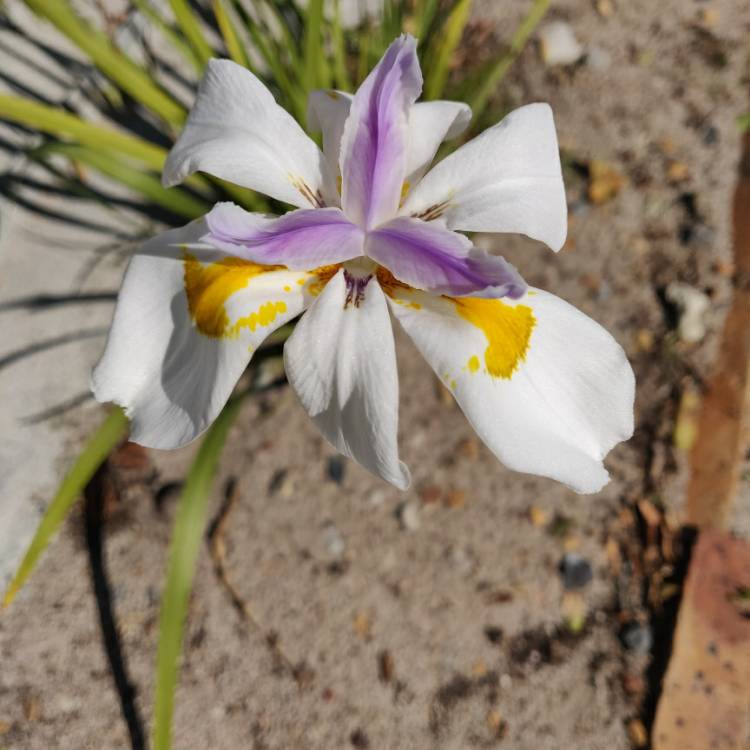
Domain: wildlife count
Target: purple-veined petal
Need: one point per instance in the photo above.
(300, 240)
(375, 140)
(341, 362)
(430, 123)
(430, 257)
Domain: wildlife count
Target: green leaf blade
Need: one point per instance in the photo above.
(188, 531)
(176, 200)
(119, 68)
(93, 455)
(518, 41)
(452, 32)
(188, 23)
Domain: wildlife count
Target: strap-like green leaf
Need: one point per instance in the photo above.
(189, 526)
(451, 36)
(65, 125)
(93, 455)
(172, 36)
(341, 75)
(314, 54)
(426, 10)
(492, 80)
(191, 28)
(176, 200)
(114, 64)
(229, 34)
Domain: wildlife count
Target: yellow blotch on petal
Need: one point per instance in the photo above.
(320, 277)
(265, 315)
(508, 330)
(389, 283)
(404, 191)
(209, 286)
(334, 95)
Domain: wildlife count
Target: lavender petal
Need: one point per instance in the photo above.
(300, 240)
(430, 257)
(375, 139)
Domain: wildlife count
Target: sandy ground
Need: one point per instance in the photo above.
(434, 619)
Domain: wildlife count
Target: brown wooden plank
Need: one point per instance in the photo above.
(705, 701)
(723, 426)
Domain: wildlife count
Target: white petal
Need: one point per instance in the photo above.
(430, 123)
(236, 131)
(327, 111)
(341, 362)
(551, 397)
(173, 357)
(508, 179)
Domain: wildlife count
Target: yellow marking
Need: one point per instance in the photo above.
(334, 95)
(209, 286)
(302, 282)
(389, 283)
(453, 384)
(320, 277)
(404, 190)
(265, 315)
(508, 330)
(473, 364)
(339, 183)
(287, 288)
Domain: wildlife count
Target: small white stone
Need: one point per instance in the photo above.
(333, 541)
(409, 516)
(559, 45)
(67, 703)
(692, 305)
(377, 497)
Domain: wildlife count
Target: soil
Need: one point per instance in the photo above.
(331, 611)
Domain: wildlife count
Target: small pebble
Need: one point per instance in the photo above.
(559, 45)
(537, 516)
(637, 637)
(637, 732)
(455, 499)
(386, 666)
(576, 571)
(377, 497)
(692, 305)
(333, 541)
(711, 135)
(336, 468)
(409, 516)
(493, 634)
(359, 739)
